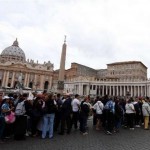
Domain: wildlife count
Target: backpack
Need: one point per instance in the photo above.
(20, 108)
(84, 108)
(107, 106)
(50, 106)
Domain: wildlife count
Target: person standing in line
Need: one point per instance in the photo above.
(98, 107)
(130, 113)
(110, 112)
(20, 125)
(137, 112)
(48, 118)
(66, 111)
(94, 111)
(146, 113)
(119, 112)
(84, 113)
(75, 109)
(58, 112)
(6, 109)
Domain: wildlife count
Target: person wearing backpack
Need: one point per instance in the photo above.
(110, 111)
(20, 125)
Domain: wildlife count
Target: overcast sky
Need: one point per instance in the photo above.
(98, 31)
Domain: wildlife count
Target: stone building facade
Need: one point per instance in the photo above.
(13, 64)
(127, 78)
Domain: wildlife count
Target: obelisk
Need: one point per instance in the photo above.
(60, 85)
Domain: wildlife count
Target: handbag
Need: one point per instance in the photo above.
(10, 118)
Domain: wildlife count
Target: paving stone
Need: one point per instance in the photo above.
(95, 140)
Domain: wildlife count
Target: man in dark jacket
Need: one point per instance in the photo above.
(66, 111)
(58, 112)
(84, 112)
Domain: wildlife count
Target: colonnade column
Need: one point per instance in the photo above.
(131, 91)
(106, 90)
(124, 90)
(138, 91)
(113, 88)
(142, 90)
(117, 90)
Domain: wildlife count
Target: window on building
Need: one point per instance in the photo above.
(94, 87)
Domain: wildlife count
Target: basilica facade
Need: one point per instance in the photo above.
(14, 65)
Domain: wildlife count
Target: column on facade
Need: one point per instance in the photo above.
(80, 89)
(12, 79)
(4, 77)
(25, 79)
(26, 83)
(42, 82)
(50, 83)
(35, 82)
(87, 89)
(147, 91)
(96, 89)
(7, 78)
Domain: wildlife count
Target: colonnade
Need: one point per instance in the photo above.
(113, 89)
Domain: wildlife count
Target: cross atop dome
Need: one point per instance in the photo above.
(16, 43)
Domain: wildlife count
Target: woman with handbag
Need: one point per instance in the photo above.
(6, 110)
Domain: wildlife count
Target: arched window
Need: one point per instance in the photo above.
(46, 85)
(30, 85)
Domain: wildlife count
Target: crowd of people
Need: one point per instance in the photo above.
(45, 114)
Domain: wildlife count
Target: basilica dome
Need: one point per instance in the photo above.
(14, 53)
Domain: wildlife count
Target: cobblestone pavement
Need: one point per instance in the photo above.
(138, 139)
